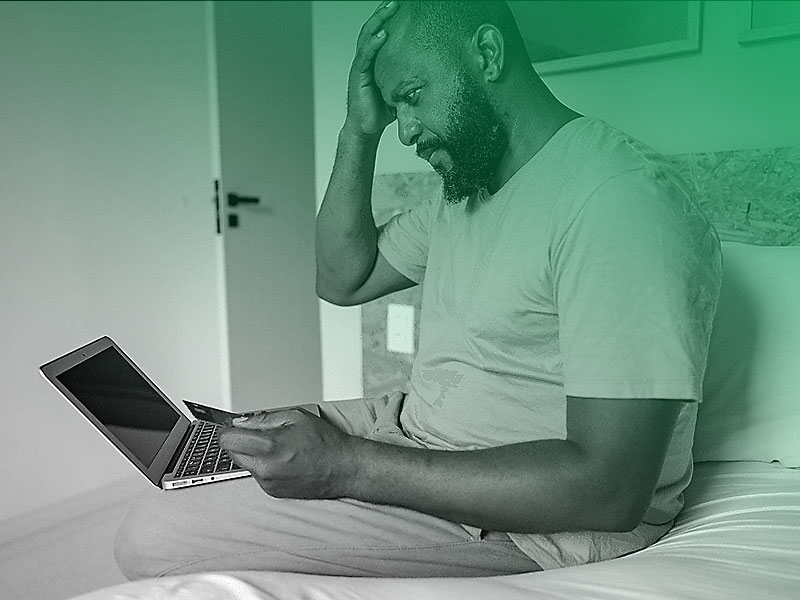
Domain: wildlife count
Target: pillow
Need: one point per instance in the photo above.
(751, 391)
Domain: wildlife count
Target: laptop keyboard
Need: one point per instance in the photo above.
(204, 455)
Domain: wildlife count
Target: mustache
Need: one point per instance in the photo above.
(426, 147)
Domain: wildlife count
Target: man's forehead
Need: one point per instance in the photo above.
(398, 59)
(398, 65)
(391, 69)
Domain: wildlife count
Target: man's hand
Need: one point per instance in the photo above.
(366, 112)
(292, 454)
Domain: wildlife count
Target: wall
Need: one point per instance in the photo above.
(726, 97)
(107, 223)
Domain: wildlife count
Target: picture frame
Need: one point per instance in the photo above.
(575, 35)
(762, 20)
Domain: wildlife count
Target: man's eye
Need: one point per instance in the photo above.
(412, 96)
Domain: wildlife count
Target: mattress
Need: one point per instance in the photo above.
(738, 537)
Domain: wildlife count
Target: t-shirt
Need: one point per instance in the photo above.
(590, 273)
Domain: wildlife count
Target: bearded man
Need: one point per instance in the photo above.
(569, 286)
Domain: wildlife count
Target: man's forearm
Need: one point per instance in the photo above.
(346, 236)
(534, 487)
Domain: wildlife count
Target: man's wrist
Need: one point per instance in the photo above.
(351, 466)
(352, 132)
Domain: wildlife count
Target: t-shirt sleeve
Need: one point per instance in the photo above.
(405, 239)
(636, 279)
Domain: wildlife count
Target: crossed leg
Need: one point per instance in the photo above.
(234, 525)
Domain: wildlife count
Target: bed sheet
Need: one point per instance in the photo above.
(737, 538)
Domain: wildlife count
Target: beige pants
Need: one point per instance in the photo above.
(234, 525)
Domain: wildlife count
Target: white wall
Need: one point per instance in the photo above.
(107, 223)
(726, 97)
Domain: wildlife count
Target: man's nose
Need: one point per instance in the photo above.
(408, 128)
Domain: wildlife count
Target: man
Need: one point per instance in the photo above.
(569, 288)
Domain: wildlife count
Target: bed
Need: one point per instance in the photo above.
(738, 536)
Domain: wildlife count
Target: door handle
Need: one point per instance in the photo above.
(234, 200)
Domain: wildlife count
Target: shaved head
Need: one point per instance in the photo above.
(440, 71)
(444, 29)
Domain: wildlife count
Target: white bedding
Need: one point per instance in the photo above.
(738, 537)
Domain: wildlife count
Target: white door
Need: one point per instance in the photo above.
(266, 139)
(106, 222)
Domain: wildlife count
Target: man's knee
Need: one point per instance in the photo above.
(142, 545)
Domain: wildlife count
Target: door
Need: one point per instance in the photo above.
(107, 223)
(266, 142)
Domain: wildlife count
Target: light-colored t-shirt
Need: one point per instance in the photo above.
(590, 273)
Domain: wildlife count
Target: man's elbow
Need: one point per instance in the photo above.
(627, 512)
(335, 300)
(611, 503)
(327, 293)
(330, 298)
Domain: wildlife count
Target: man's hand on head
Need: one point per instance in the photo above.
(293, 454)
(367, 114)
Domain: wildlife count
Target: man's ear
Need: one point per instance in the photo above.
(490, 47)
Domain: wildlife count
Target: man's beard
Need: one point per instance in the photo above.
(476, 141)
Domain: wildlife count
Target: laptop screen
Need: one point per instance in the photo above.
(111, 389)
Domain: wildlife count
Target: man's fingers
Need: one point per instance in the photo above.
(246, 462)
(264, 420)
(372, 25)
(365, 56)
(251, 443)
(376, 20)
(259, 469)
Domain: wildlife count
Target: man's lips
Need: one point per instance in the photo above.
(427, 153)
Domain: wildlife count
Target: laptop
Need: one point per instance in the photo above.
(107, 387)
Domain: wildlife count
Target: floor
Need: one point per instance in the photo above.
(62, 551)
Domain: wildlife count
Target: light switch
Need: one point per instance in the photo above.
(400, 328)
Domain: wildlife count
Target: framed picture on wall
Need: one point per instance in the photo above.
(768, 20)
(570, 35)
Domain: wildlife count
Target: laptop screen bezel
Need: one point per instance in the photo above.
(154, 472)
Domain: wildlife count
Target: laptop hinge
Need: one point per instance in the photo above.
(182, 445)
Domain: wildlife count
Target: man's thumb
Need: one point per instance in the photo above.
(263, 419)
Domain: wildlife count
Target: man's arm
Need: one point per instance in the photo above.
(602, 477)
(346, 236)
(350, 270)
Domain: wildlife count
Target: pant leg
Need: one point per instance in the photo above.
(234, 525)
(374, 418)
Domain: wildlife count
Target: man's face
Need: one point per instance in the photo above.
(475, 139)
(446, 111)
